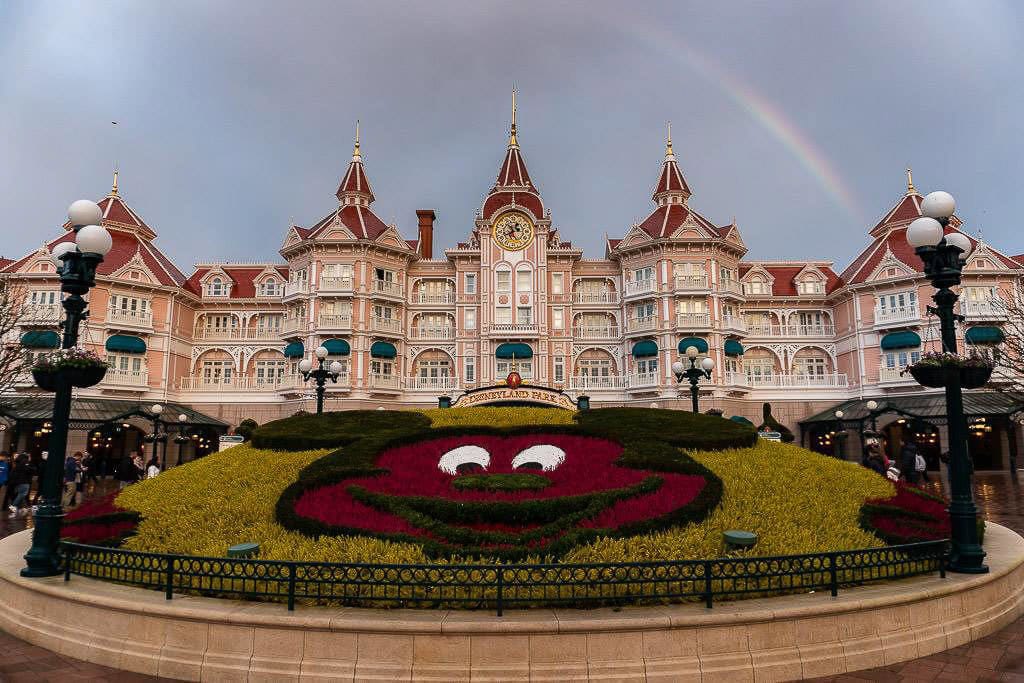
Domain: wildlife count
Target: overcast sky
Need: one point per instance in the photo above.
(796, 118)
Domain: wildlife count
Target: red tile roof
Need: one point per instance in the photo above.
(243, 279)
(355, 182)
(670, 180)
(360, 221)
(513, 171)
(906, 209)
(522, 199)
(666, 219)
(4, 262)
(784, 276)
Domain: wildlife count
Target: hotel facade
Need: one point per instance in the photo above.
(409, 324)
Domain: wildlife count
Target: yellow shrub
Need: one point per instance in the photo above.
(498, 417)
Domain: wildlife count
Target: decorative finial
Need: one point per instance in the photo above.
(669, 155)
(910, 182)
(512, 142)
(113, 187)
(356, 156)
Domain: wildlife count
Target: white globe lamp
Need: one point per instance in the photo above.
(938, 205)
(677, 368)
(924, 232)
(872, 405)
(336, 367)
(839, 414)
(960, 240)
(60, 250)
(305, 365)
(94, 239)
(708, 364)
(321, 352)
(691, 352)
(156, 409)
(84, 212)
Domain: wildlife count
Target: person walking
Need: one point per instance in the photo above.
(20, 481)
(908, 462)
(127, 471)
(72, 472)
(153, 468)
(874, 460)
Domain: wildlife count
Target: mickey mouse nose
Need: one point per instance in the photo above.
(517, 481)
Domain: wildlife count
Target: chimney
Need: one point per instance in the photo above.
(426, 233)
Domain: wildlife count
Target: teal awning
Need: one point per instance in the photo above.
(686, 342)
(337, 347)
(733, 348)
(517, 349)
(124, 343)
(741, 420)
(294, 350)
(645, 348)
(383, 350)
(40, 339)
(900, 340)
(982, 335)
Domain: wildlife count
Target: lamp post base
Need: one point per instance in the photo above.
(968, 563)
(41, 559)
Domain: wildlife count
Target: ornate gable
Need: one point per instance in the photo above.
(890, 267)
(391, 238)
(135, 270)
(635, 237)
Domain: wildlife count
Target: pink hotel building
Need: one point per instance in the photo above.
(409, 324)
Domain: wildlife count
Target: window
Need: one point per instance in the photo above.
(644, 311)
(503, 279)
(897, 360)
(758, 368)
(901, 302)
(269, 322)
(43, 298)
(470, 318)
(385, 275)
(756, 285)
(732, 366)
(470, 283)
(559, 368)
(385, 312)
(980, 295)
(558, 318)
(523, 367)
(129, 308)
(269, 371)
(524, 315)
(558, 283)
(217, 371)
(595, 368)
(813, 286)
(691, 306)
(469, 368)
(503, 315)
(126, 364)
(340, 271)
(815, 366)
(524, 281)
(221, 323)
(433, 370)
(216, 288)
(647, 366)
(382, 367)
(643, 274)
(269, 287)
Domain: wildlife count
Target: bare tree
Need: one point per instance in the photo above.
(15, 311)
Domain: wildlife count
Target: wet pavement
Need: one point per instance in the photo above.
(998, 657)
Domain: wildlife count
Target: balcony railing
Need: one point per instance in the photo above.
(335, 321)
(730, 286)
(649, 322)
(642, 379)
(244, 383)
(126, 378)
(693, 320)
(887, 374)
(431, 383)
(596, 331)
(597, 382)
(835, 381)
(388, 288)
(994, 308)
(380, 324)
(732, 322)
(121, 316)
(790, 330)
(433, 298)
(388, 382)
(897, 314)
(595, 298)
(514, 328)
(637, 287)
(41, 314)
(293, 288)
(291, 326)
(230, 333)
(433, 332)
(686, 283)
(330, 283)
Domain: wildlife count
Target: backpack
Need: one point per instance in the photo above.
(893, 474)
(920, 465)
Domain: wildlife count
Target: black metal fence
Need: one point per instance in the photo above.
(497, 586)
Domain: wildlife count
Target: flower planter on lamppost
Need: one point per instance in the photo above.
(943, 256)
(76, 264)
(320, 375)
(693, 373)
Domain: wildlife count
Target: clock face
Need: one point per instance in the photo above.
(513, 231)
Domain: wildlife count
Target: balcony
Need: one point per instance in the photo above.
(120, 317)
(386, 325)
(993, 309)
(295, 289)
(385, 382)
(41, 314)
(645, 324)
(597, 382)
(897, 315)
(691, 283)
(292, 327)
(437, 384)
(770, 381)
(340, 285)
(732, 322)
(334, 321)
(641, 287)
(760, 330)
(692, 321)
(730, 287)
(439, 298)
(596, 332)
(595, 298)
(388, 288)
(887, 375)
(238, 333)
(126, 379)
(433, 332)
(643, 380)
(514, 329)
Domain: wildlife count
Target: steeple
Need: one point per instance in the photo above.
(113, 188)
(355, 188)
(671, 187)
(910, 182)
(513, 173)
(512, 142)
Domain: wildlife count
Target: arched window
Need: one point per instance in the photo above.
(216, 287)
(269, 287)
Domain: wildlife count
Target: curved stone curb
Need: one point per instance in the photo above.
(768, 639)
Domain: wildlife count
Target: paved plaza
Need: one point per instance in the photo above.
(998, 657)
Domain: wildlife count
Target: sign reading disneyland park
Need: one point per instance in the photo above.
(521, 394)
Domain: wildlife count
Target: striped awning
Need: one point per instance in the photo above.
(124, 343)
(40, 339)
(687, 342)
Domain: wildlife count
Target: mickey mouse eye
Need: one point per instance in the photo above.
(464, 459)
(541, 457)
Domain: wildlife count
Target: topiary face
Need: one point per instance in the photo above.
(511, 492)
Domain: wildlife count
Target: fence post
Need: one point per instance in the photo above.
(707, 583)
(834, 574)
(501, 586)
(169, 584)
(943, 558)
(291, 586)
(69, 553)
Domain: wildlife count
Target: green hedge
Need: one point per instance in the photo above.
(306, 431)
(685, 430)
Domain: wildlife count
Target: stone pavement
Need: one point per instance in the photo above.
(998, 657)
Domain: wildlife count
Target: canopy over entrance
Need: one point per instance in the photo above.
(86, 413)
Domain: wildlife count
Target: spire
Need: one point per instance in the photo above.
(356, 156)
(671, 187)
(512, 142)
(669, 154)
(910, 182)
(354, 187)
(113, 187)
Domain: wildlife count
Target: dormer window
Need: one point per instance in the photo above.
(756, 285)
(813, 286)
(270, 287)
(217, 287)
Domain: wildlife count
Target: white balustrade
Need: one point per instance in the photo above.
(643, 379)
(232, 333)
(389, 382)
(387, 287)
(836, 381)
(330, 283)
(418, 383)
(383, 324)
(693, 320)
(335, 321)
(433, 298)
(637, 287)
(597, 382)
(691, 282)
(514, 328)
(433, 332)
(126, 378)
(122, 316)
(993, 308)
(897, 314)
(595, 298)
(596, 331)
(41, 313)
(887, 374)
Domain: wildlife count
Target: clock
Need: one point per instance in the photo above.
(513, 231)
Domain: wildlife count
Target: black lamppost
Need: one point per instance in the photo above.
(181, 439)
(320, 375)
(156, 438)
(693, 373)
(943, 256)
(76, 265)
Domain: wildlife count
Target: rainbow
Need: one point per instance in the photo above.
(747, 98)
